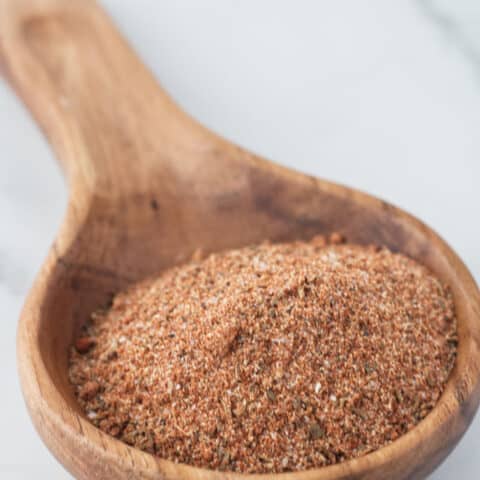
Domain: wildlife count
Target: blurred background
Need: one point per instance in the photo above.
(377, 94)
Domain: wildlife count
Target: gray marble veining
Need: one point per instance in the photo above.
(455, 26)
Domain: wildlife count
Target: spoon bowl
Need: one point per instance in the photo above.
(148, 187)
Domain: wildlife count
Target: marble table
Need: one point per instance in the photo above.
(380, 95)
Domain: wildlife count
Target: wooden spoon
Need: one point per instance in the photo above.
(149, 186)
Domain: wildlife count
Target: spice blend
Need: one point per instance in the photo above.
(270, 358)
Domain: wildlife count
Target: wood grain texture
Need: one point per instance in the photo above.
(148, 186)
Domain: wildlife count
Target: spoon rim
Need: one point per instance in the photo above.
(449, 418)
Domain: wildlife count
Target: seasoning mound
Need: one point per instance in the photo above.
(270, 358)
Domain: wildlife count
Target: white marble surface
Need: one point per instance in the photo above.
(378, 94)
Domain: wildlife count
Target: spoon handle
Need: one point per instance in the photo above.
(103, 111)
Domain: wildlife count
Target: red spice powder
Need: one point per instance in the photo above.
(270, 358)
